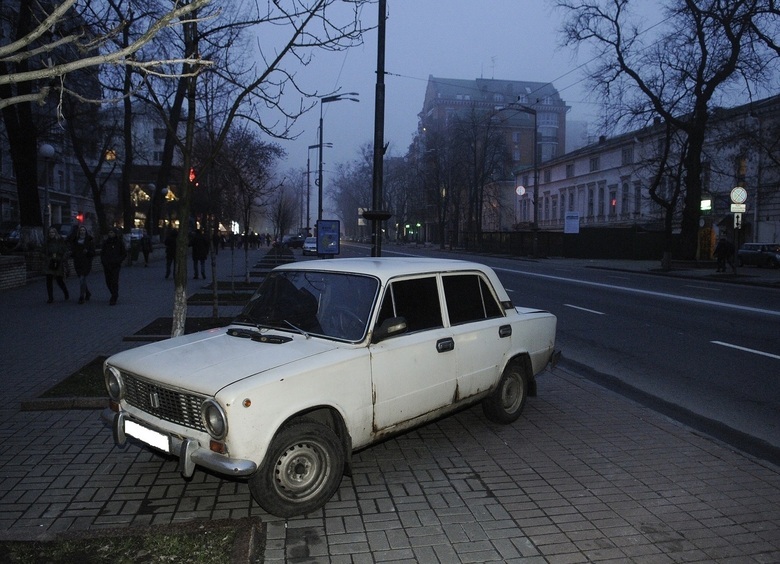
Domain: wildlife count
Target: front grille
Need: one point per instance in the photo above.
(164, 403)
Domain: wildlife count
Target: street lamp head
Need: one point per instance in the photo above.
(46, 151)
(351, 96)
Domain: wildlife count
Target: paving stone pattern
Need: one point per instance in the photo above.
(584, 476)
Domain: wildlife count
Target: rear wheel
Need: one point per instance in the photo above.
(302, 470)
(506, 402)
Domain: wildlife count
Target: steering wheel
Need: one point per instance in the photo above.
(346, 323)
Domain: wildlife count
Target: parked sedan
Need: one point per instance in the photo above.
(293, 241)
(759, 254)
(329, 357)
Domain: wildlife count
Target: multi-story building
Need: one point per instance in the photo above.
(606, 184)
(524, 120)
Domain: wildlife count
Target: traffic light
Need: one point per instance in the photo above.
(193, 176)
(80, 217)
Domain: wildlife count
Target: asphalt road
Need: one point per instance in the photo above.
(704, 352)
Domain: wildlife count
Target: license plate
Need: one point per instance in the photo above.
(150, 437)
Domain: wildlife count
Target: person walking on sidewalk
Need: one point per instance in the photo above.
(170, 252)
(55, 252)
(724, 252)
(82, 249)
(146, 246)
(112, 256)
(200, 252)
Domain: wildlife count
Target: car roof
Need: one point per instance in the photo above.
(387, 267)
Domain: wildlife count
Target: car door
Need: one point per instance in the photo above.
(414, 374)
(481, 333)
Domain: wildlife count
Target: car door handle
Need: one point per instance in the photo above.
(505, 331)
(444, 345)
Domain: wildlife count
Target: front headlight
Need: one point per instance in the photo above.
(214, 419)
(114, 384)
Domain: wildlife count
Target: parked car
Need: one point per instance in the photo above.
(310, 246)
(759, 254)
(329, 357)
(293, 241)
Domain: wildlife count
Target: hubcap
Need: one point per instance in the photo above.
(301, 470)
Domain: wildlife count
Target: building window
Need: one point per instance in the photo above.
(628, 155)
(590, 202)
(613, 201)
(547, 175)
(637, 199)
(570, 170)
(595, 164)
(516, 155)
(571, 201)
(554, 207)
(624, 198)
(515, 137)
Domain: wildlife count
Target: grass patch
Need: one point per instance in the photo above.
(203, 547)
(86, 382)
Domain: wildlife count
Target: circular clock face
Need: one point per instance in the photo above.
(738, 195)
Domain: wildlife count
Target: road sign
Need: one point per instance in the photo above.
(737, 221)
(738, 208)
(738, 195)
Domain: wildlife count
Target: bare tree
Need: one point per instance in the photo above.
(49, 43)
(702, 52)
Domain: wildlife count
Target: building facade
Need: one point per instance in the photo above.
(606, 184)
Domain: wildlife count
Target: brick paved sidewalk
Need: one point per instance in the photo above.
(584, 475)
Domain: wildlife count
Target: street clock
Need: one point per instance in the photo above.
(738, 195)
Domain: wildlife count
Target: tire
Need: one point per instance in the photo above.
(302, 470)
(506, 402)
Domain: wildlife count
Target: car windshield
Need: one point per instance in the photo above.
(326, 304)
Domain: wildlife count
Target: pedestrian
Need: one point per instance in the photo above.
(170, 252)
(146, 246)
(82, 249)
(724, 253)
(200, 251)
(55, 252)
(112, 256)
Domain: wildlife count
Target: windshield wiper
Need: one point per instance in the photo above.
(298, 329)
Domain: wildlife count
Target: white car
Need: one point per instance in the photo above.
(329, 357)
(310, 246)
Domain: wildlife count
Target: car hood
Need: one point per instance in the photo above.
(208, 361)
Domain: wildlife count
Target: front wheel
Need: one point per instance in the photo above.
(506, 402)
(302, 470)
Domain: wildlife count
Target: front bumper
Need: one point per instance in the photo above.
(189, 451)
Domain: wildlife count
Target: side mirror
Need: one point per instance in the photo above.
(389, 328)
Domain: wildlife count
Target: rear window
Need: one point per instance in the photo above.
(469, 299)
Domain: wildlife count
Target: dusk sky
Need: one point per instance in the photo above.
(463, 39)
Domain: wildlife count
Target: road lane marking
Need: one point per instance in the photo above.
(641, 292)
(708, 288)
(754, 351)
(585, 309)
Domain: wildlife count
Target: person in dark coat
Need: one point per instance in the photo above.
(724, 252)
(112, 256)
(55, 252)
(170, 252)
(146, 247)
(200, 252)
(82, 249)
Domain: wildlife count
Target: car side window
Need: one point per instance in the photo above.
(416, 300)
(469, 299)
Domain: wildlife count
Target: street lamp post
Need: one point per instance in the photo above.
(308, 184)
(352, 96)
(535, 225)
(47, 152)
